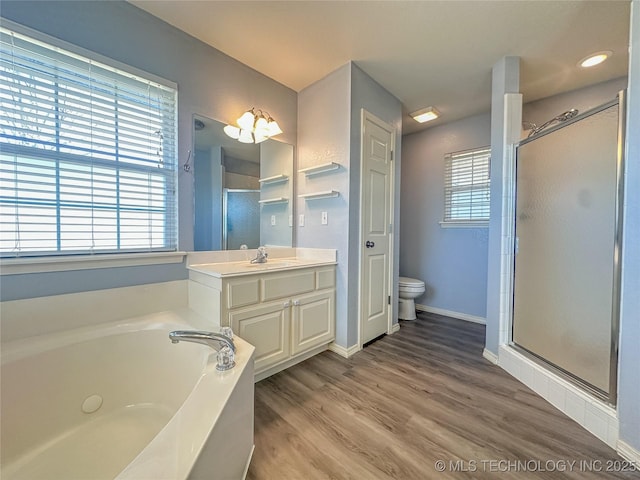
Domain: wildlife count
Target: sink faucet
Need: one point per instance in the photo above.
(220, 343)
(261, 256)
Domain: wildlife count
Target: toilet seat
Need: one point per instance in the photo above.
(412, 289)
(410, 283)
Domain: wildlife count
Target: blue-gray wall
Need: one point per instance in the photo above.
(629, 358)
(210, 84)
(329, 130)
(208, 185)
(369, 95)
(323, 136)
(451, 261)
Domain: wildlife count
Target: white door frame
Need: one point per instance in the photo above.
(365, 115)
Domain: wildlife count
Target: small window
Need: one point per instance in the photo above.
(466, 188)
(87, 154)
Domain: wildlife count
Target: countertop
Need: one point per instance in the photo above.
(230, 269)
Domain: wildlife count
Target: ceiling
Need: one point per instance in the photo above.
(426, 53)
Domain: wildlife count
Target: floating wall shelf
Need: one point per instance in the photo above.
(318, 195)
(325, 167)
(274, 179)
(273, 201)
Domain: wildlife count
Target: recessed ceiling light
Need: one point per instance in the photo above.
(595, 59)
(425, 114)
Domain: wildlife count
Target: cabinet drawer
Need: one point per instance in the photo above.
(325, 278)
(288, 284)
(243, 292)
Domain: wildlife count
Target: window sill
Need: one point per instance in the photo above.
(467, 224)
(17, 266)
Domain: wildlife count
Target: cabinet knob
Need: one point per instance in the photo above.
(296, 303)
(286, 304)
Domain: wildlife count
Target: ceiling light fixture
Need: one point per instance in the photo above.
(425, 114)
(595, 59)
(253, 127)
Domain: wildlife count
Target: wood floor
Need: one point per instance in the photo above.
(409, 400)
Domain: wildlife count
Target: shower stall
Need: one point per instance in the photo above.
(567, 246)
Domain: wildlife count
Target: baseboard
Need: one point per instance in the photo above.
(342, 351)
(246, 468)
(395, 327)
(261, 375)
(629, 453)
(452, 314)
(492, 357)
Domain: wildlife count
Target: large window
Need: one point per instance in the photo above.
(466, 190)
(87, 154)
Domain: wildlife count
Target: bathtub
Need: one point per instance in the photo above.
(121, 401)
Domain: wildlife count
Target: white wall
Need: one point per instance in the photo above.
(451, 261)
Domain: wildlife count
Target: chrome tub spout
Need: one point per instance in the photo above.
(220, 343)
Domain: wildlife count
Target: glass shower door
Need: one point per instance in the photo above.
(241, 218)
(564, 284)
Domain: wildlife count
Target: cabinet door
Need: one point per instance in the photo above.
(266, 327)
(313, 322)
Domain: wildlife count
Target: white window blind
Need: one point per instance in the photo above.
(87, 155)
(466, 192)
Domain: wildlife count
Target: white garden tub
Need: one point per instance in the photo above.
(121, 401)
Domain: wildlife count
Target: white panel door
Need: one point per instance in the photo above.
(375, 225)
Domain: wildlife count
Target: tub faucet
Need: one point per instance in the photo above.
(211, 339)
(220, 343)
(261, 256)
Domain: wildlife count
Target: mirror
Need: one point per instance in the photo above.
(243, 192)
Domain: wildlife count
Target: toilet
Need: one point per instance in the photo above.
(409, 288)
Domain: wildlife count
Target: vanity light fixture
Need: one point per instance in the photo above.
(425, 114)
(253, 127)
(595, 59)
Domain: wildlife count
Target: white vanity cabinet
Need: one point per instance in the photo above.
(288, 315)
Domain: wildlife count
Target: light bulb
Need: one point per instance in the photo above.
(273, 128)
(260, 137)
(233, 132)
(246, 120)
(245, 136)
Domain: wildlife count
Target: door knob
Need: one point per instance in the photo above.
(370, 244)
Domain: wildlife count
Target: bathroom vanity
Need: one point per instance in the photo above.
(285, 307)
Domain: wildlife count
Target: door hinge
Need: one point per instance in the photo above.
(389, 300)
